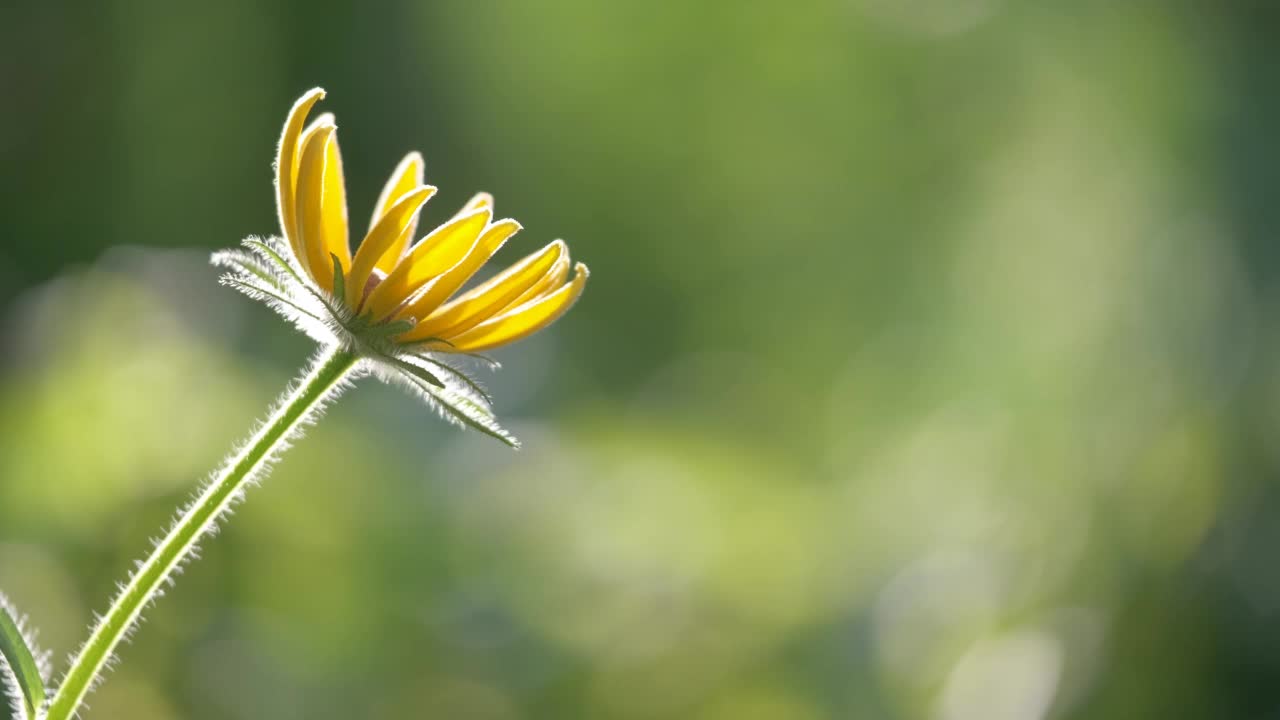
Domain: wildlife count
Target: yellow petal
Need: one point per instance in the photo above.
(407, 176)
(434, 255)
(383, 235)
(333, 235)
(310, 210)
(547, 285)
(337, 238)
(491, 240)
(287, 167)
(326, 118)
(525, 320)
(489, 298)
(481, 200)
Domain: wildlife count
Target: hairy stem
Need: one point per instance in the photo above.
(321, 382)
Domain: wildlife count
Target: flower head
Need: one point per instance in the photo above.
(392, 300)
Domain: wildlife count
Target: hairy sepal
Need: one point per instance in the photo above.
(460, 400)
(24, 670)
(269, 273)
(263, 272)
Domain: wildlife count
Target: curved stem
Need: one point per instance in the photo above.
(320, 383)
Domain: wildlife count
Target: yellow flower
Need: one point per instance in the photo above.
(388, 279)
(393, 301)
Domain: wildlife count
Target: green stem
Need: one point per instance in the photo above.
(319, 383)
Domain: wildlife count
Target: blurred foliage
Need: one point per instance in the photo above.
(925, 370)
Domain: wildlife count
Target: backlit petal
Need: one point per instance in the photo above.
(383, 235)
(491, 297)
(333, 236)
(407, 176)
(337, 238)
(548, 284)
(287, 167)
(310, 211)
(434, 255)
(491, 240)
(326, 118)
(525, 320)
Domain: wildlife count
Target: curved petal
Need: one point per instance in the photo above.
(325, 118)
(331, 237)
(287, 167)
(337, 239)
(407, 176)
(524, 320)
(309, 219)
(547, 285)
(491, 240)
(383, 235)
(489, 298)
(433, 256)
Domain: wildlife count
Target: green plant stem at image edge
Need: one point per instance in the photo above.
(322, 382)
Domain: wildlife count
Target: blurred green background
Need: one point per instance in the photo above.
(928, 367)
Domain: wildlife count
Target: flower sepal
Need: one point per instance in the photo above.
(263, 272)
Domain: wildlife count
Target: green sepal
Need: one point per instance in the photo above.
(384, 330)
(461, 376)
(248, 265)
(266, 251)
(249, 288)
(432, 339)
(339, 280)
(390, 329)
(22, 665)
(468, 413)
(420, 373)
